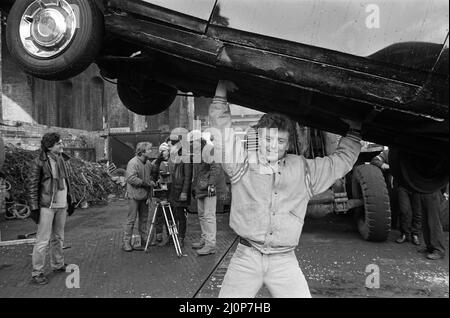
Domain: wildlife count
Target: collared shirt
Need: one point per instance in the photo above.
(269, 204)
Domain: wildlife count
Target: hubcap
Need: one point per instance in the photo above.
(47, 27)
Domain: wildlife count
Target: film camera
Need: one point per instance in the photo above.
(161, 191)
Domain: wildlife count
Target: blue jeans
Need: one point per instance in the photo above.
(249, 270)
(50, 230)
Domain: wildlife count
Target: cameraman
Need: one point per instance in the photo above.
(180, 186)
(139, 182)
(160, 176)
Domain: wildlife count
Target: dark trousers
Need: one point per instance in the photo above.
(410, 212)
(392, 191)
(433, 234)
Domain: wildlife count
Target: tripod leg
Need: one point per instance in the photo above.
(172, 231)
(151, 227)
(176, 242)
(169, 227)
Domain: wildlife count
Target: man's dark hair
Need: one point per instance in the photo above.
(49, 140)
(279, 121)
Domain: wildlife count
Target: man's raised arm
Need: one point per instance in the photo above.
(228, 146)
(325, 171)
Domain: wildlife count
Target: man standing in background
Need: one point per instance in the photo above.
(208, 181)
(50, 201)
(138, 178)
(410, 213)
(180, 186)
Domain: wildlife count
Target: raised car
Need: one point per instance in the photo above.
(382, 63)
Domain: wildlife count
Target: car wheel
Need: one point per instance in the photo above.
(373, 219)
(144, 96)
(54, 39)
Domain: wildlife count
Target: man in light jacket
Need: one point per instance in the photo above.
(208, 181)
(139, 185)
(270, 192)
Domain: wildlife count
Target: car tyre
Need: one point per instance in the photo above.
(144, 96)
(74, 52)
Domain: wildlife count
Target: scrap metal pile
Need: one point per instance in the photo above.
(92, 183)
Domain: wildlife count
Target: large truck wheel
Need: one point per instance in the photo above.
(54, 40)
(144, 96)
(374, 217)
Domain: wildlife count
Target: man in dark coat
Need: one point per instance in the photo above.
(427, 206)
(50, 201)
(180, 186)
(410, 214)
(162, 176)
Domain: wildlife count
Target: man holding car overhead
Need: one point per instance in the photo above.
(270, 192)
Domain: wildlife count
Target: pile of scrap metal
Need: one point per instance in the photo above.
(117, 174)
(91, 181)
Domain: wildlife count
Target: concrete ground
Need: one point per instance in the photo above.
(331, 254)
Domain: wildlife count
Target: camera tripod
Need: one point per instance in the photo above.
(170, 223)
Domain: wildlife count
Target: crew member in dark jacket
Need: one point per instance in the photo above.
(427, 205)
(50, 200)
(410, 214)
(180, 186)
(208, 181)
(160, 233)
